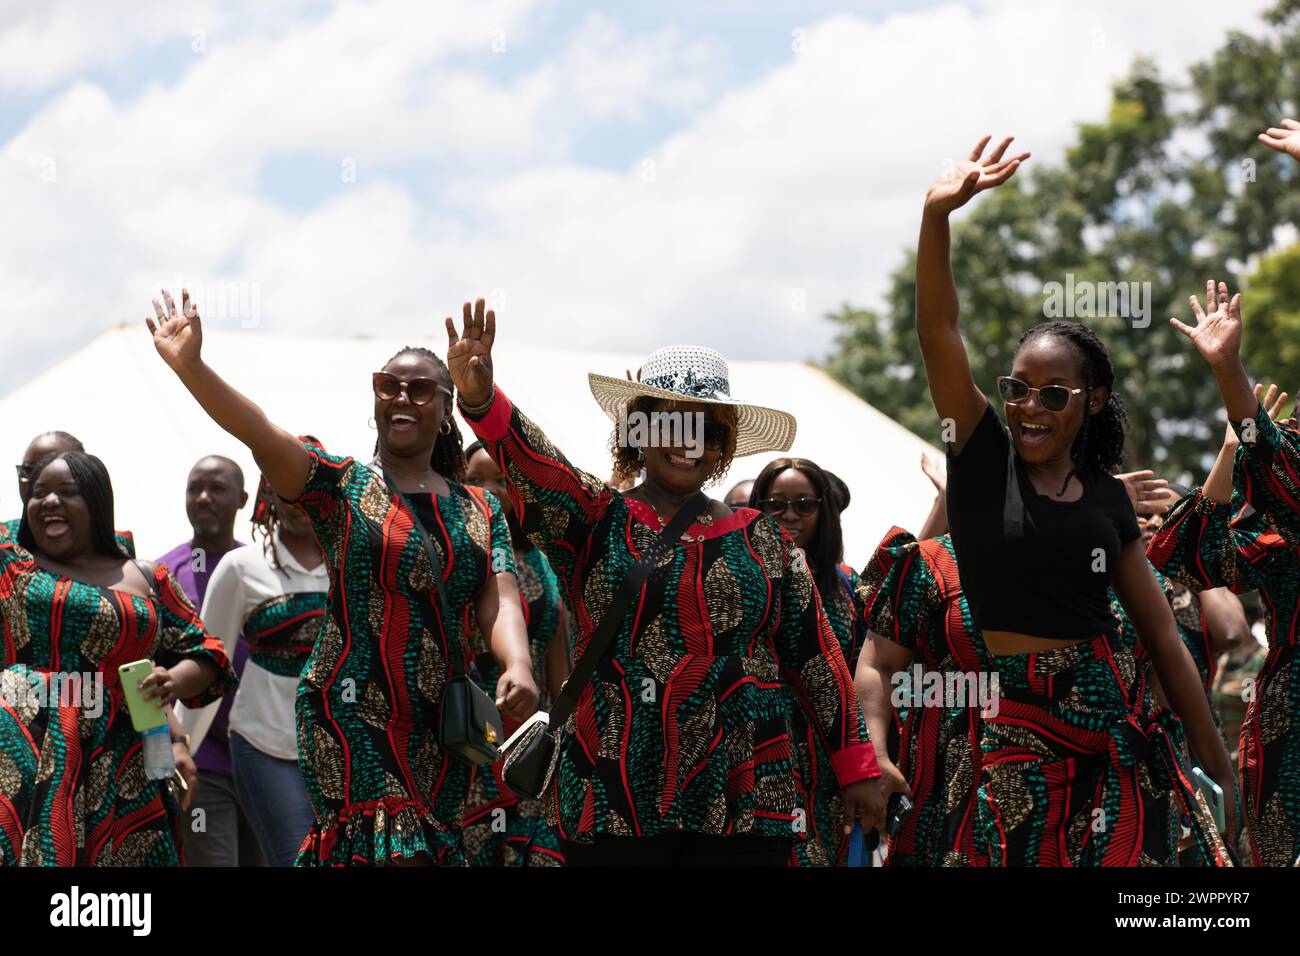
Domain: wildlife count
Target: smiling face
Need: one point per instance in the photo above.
(214, 494)
(407, 430)
(482, 471)
(1040, 435)
(48, 444)
(670, 467)
(791, 485)
(58, 515)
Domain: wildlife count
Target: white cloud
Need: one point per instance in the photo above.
(804, 182)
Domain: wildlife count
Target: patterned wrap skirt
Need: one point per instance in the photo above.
(1079, 770)
(1269, 761)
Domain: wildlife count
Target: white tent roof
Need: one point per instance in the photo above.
(118, 397)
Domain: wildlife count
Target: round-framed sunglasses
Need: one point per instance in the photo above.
(1053, 398)
(778, 506)
(421, 391)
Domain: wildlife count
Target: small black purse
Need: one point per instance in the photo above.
(469, 727)
(533, 751)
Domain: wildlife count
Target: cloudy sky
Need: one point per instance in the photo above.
(619, 176)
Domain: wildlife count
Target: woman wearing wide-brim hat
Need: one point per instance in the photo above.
(679, 750)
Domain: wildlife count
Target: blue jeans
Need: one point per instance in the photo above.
(273, 794)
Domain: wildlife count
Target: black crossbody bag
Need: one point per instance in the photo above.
(531, 755)
(469, 727)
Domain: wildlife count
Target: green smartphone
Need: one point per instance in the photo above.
(145, 714)
(1213, 794)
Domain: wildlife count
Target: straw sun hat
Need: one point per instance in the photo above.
(694, 373)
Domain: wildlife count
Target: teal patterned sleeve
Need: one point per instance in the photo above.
(501, 549)
(1268, 471)
(182, 636)
(1208, 544)
(332, 482)
(895, 587)
(557, 504)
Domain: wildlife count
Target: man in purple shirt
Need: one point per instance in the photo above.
(220, 835)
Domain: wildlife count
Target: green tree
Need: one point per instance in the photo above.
(1136, 200)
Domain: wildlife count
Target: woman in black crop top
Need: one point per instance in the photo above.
(1079, 766)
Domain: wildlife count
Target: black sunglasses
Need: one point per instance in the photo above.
(778, 506)
(421, 391)
(1053, 398)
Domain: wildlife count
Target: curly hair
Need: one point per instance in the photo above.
(1099, 445)
(448, 457)
(629, 460)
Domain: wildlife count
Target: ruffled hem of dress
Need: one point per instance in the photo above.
(380, 833)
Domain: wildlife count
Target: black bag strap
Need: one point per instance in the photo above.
(601, 637)
(457, 663)
(1013, 505)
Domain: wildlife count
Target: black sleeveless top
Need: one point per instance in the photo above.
(1029, 563)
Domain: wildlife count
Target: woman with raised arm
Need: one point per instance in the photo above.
(74, 607)
(383, 790)
(1077, 771)
(1243, 530)
(679, 749)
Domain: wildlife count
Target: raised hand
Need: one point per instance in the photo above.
(178, 337)
(1217, 335)
(469, 355)
(1284, 139)
(1143, 487)
(936, 471)
(955, 187)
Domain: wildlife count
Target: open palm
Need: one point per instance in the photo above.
(1217, 335)
(178, 336)
(469, 354)
(955, 187)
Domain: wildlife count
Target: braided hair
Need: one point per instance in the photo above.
(448, 458)
(1099, 446)
(96, 490)
(266, 515)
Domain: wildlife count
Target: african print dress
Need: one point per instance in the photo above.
(825, 845)
(500, 827)
(369, 697)
(73, 790)
(686, 725)
(913, 597)
(1207, 544)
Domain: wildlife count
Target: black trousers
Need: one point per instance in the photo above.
(679, 849)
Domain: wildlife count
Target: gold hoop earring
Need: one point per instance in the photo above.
(446, 426)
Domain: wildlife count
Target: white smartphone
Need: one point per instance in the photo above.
(1213, 794)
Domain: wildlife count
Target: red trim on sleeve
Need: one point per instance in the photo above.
(855, 762)
(492, 426)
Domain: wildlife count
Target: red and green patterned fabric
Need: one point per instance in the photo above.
(368, 703)
(913, 597)
(687, 723)
(1207, 544)
(501, 828)
(73, 791)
